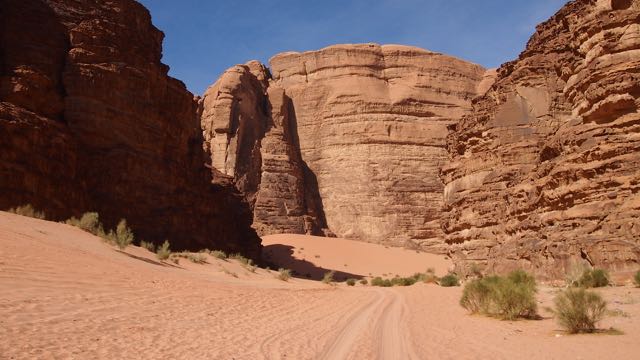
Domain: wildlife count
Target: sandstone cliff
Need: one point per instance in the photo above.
(369, 123)
(89, 120)
(545, 170)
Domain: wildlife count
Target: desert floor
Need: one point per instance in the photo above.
(66, 294)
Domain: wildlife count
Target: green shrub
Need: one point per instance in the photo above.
(507, 297)
(27, 210)
(579, 310)
(378, 281)
(328, 277)
(124, 235)
(351, 282)
(593, 278)
(148, 245)
(449, 280)
(636, 278)
(284, 274)
(363, 281)
(219, 254)
(476, 296)
(400, 281)
(164, 251)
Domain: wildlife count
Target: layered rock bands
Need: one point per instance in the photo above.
(90, 121)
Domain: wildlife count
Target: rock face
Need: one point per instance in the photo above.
(545, 170)
(363, 137)
(90, 121)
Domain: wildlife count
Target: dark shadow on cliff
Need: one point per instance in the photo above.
(313, 201)
(281, 256)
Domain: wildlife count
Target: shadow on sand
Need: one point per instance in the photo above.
(281, 256)
(147, 260)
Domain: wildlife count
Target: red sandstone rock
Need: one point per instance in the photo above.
(545, 171)
(91, 121)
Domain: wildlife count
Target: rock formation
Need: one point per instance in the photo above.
(90, 121)
(370, 124)
(533, 166)
(545, 170)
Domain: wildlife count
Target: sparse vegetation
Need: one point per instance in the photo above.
(592, 278)
(363, 281)
(351, 282)
(229, 272)
(218, 254)
(328, 277)
(198, 258)
(579, 310)
(124, 235)
(164, 251)
(378, 281)
(27, 210)
(506, 298)
(89, 222)
(240, 258)
(284, 274)
(148, 245)
(449, 280)
(636, 278)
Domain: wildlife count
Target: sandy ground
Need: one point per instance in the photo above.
(64, 294)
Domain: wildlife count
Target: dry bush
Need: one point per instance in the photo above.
(284, 274)
(148, 245)
(218, 254)
(328, 277)
(579, 310)
(636, 278)
(351, 282)
(27, 210)
(124, 235)
(164, 251)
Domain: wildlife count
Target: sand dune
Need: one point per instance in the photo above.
(65, 294)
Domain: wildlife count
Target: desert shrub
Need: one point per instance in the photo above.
(284, 274)
(404, 281)
(197, 258)
(476, 295)
(27, 210)
(249, 265)
(364, 281)
(429, 277)
(507, 297)
(328, 277)
(592, 278)
(449, 280)
(89, 221)
(378, 281)
(240, 258)
(636, 278)
(219, 254)
(164, 251)
(579, 310)
(148, 245)
(124, 235)
(109, 237)
(351, 282)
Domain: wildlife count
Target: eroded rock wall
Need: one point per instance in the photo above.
(372, 122)
(544, 173)
(90, 121)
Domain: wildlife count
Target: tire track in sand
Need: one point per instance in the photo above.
(390, 337)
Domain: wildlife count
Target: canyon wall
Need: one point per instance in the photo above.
(367, 125)
(90, 121)
(544, 172)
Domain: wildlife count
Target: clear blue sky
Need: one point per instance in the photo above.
(205, 37)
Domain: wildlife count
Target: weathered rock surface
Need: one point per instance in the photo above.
(366, 124)
(248, 131)
(545, 170)
(89, 120)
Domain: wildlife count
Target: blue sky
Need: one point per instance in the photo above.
(205, 37)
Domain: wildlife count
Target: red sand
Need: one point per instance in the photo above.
(66, 294)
